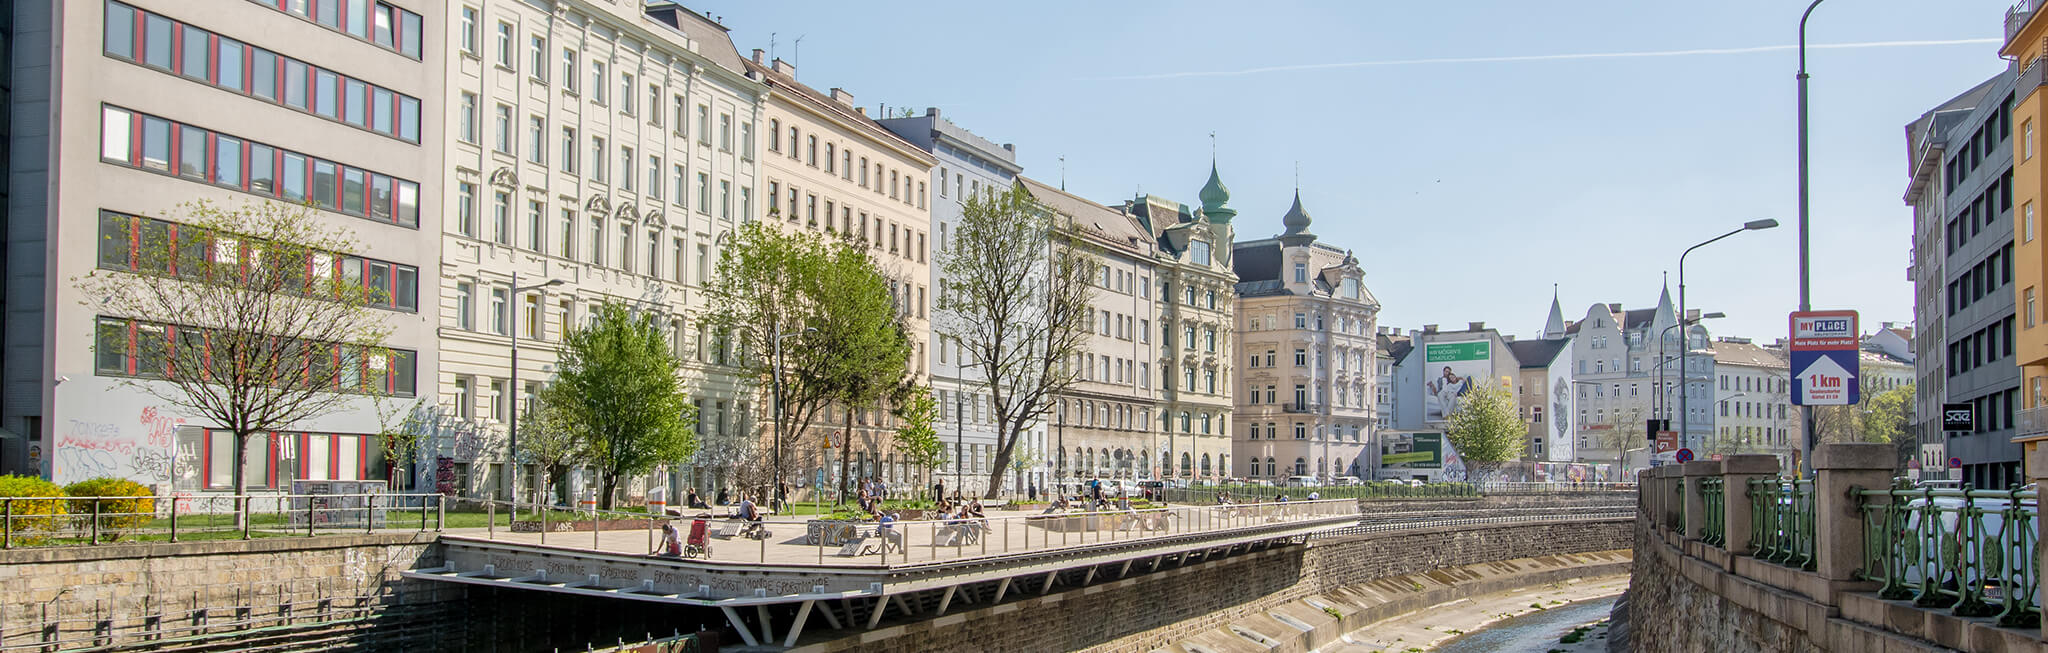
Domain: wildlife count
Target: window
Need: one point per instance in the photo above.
(704, 194)
(2029, 301)
(747, 140)
(654, 104)
(272, 173)
(2027, 130)
(501, 219)
(504, 129)
(569, 70)
(775, 136)
(530, 311)
(811, 147)
(626, 168)
(2027, 226)
(1301, 273)
(569, 152)
(597, 241)
(626, 246)
(535, 214)
(537, 55)
(678, 177)
(724, 132)
(567, 246)
(597, 81)
(1300, 357)
(597, 159)
(704, 125)
(725, 200)
(465, 208)
(504, 43)
(466, 37)
(536, 139)
(467, 130)
(500, 311)
(653, 253)
(654, 176)
(626, 93)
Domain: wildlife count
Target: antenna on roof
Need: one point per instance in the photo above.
(799, 55)
(1063, 172)
(771, 46)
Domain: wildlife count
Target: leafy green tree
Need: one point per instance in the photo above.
(845, 343)
(617, 393)
(1018, 301)
(549, 439)
(242, 316)
(1486, 430)
(916, 439)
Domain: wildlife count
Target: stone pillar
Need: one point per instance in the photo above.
(1696, 473)
(1839, 470)
(1736, 473)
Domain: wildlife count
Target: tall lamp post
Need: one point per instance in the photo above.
(1805, 290)
(512, 442)
(779, 337)
(1684, 338)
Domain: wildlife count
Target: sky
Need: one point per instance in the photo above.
(1475, 154)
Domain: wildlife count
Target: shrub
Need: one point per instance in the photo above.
(116, 515)
(32, 517)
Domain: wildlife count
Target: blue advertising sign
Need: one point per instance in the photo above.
(1825, 361)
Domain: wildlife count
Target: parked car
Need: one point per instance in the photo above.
(1303, 481)
(1345, 480)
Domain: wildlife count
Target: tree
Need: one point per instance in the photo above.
(243, 316)
(1486, 430)
(550, 439)
(617, 393)
(1018, 304)
(916, 439)
(1880, 417)
(831, 299)
(1622, 433)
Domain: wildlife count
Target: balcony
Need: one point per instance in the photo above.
(2033, 422)
(1301, 408)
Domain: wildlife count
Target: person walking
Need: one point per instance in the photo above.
(939, 490)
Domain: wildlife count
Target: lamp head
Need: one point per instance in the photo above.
(1765, 223)
(1714, 315)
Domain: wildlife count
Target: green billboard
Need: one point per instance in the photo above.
(1426, 452)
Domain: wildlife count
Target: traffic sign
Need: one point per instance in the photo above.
(1825, 358)
(1684, 455)
(1667, 441)
(1955, 463)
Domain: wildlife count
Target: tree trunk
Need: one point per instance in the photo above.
(606, 483)
(845, 455)
(241, 481)
(1001, 461)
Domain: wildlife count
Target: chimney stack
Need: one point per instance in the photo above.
(1475, 326)
(758, 53)
(841, 96)
(784, 67)
(1429, 328)
(931, 111)
(1614, 307)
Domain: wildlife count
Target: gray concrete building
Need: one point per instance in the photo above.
(1960, 188)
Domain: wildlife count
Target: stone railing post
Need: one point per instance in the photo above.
(1839, 471)
(1654, 494)
(1736, 473)
(1696, 473)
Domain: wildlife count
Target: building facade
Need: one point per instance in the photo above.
(2024, 32)
(1193, 303)
(830, 169)
(138, 107)
(1308, 391)
(1963, 192)
(603, 149)
(1753, 411)
(966, 166)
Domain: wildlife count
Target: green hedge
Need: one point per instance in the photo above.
(116, 515)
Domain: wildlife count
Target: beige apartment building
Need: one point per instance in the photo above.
(597, 152)
(1308, 328)
(124, 110)
(829, 168)
(1194, 302)
(1102, 426)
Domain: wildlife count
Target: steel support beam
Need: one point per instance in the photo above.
(797, 628)
(881, 605)
(1001, 589)
(1050, 576)
(946, 600)
(830, 618)
(747, 635)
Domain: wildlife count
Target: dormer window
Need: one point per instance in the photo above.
(1301, 273)
(1198, 251)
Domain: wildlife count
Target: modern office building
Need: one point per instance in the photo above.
(830, 169)
(1962, 189)
(122, 111)
(967, 166)
(1308, 384)
(596, 153)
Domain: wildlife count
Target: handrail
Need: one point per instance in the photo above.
(1963, 549)
(68, 520)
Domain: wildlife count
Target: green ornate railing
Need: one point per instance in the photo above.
(1781, 521)
(1971, 551)
(1678, 506)
(1713, 498)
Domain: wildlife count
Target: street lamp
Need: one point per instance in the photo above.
(512, 444)
(1805, 290)
(1684, 341)
(779, 498)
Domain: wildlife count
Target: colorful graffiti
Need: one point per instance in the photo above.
(140, 450)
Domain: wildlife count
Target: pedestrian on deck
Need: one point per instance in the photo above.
(939, 490)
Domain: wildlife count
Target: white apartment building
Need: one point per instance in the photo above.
(124, 110)
(828, 168)
(1753, 411)
(966, 166)
(1194, 303)
(602, 148)
(1307, 328)
(1102, 425)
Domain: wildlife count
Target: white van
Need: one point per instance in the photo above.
(1302, 481)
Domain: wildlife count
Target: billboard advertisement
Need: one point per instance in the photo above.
(1425, 451)
(1564, 440)
(1448, 372)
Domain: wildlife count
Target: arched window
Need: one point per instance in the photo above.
(1144, 463)
(1187, 464)
(1105, 459)
(1223, 462)
(1339, 465)
(1271, 470)
(1205, 424)
(1206, 469)
(1187, 421)
(1301, 467)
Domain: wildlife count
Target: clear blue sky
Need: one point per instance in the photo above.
(1467, 188)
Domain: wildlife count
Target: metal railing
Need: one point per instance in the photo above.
(919, 541)
(1713, 497)
(1549, 516)
(2032, 421)
(1206, 494)
(68, 521)
(1781, 521)
(1971, 551)
(1532, 487)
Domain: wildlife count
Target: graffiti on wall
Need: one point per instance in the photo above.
(138, 448)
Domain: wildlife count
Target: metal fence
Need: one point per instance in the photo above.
(1425, 520)
(1971, 551)
(1714, 497)
(66, 521)
(1781, 521)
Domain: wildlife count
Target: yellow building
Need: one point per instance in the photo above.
(2024, 43)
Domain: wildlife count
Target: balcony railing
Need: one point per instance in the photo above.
(2032, 421)
(1301, 408)
(1971, 551)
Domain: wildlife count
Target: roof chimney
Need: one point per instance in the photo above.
(1475, 326)
(1010, 147)
(931, 111)
(1507, 338)
(758, 54)
(1429, 328)
(841, 96)
(1614, 307)
(784, 67)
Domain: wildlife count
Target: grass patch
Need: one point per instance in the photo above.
(1575, 636)
(1334, 614)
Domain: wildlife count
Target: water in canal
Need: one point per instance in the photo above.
(1535, 632)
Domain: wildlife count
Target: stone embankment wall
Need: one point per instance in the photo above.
(101, 595)
(1157, 611)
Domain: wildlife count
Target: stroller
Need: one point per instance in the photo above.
(699, 544)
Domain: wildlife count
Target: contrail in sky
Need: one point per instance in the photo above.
(1548, 57)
